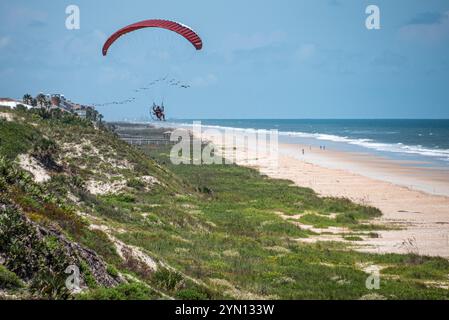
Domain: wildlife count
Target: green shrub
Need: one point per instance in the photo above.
(32, 257)
(135, 183)
(9, 280)
(16, 138)
(133, 291)
(87, 275)
(122, 197)
(112, 271)
(191, 294)
(167, 279)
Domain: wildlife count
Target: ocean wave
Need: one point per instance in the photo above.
(442, 154)
(379, 146)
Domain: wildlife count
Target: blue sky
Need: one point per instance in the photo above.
(261, 59)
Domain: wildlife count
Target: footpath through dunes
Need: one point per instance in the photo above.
(165, 231)
(416, 221)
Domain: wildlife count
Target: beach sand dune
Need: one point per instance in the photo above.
(423, 218)
(420, 219)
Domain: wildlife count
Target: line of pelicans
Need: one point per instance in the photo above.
(171, 82)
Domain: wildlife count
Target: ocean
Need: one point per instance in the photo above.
(423, 142)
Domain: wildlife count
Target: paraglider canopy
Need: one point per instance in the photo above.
(177, 27)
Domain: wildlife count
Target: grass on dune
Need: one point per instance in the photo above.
(222, 225)
(236, 236)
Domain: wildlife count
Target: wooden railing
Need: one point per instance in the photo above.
(145, 141)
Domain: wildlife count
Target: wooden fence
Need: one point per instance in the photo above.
(145, 141)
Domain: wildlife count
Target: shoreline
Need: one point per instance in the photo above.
(420, 219)
(405, 173)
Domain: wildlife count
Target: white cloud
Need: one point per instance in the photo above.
(204, 81)
(306, 51)
(4, 41)
(235, 43)
(240, 42)
(427, 32)
(19, 14)
(389, 59)
(78, 48)
(108, 75)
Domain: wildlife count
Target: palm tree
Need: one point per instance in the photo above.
(96, 114)
(27, 99)
(91, 114)
(41, 100)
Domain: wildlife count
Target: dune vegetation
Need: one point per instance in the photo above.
(139, 227)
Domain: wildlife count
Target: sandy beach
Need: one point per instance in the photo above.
(414, 200)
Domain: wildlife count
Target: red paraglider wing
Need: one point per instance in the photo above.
(179, 28)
